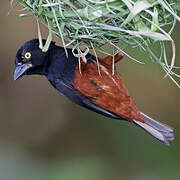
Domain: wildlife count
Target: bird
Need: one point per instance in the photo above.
(90, 83)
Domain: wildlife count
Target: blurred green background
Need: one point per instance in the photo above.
(44, 136)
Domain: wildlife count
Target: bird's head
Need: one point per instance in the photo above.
(29, 59)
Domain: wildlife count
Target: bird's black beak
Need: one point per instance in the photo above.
(21, 69)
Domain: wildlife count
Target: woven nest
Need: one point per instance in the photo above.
(90, 24)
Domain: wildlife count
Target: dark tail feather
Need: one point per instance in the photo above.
(160, 131)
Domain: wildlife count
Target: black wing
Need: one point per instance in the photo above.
(68, 91)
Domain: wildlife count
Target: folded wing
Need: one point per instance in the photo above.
(108, 92)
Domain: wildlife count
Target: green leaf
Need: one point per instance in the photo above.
(155, 20)
(102, 50)
(25, 4)
(139, 6)
(169, 9)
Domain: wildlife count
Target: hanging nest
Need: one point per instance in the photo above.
(90, 24)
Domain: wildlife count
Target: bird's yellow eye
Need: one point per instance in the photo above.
(27, 55)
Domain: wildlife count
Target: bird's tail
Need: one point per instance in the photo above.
(160, 131)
